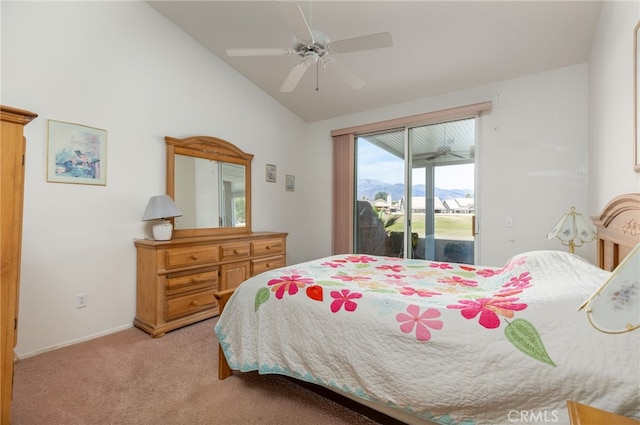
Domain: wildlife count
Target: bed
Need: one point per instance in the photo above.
(444, 343)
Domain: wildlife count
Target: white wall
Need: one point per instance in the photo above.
(611, 105)
(121, 66)
(532, 157)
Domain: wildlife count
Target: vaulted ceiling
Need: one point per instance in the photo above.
(438, 46)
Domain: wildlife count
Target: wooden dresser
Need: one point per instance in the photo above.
(12, 160)
(177, 279)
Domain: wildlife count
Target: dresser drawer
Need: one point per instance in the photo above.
(182, 306)
(264, 264)
(267, 246)
(232, 251)
(190, 281)
(191, 256)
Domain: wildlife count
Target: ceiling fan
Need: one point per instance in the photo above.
(442, 151)
(315, 48)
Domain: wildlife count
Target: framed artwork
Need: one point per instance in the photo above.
(636, 92)
(290, 182)
(271, 173)
(76, 154)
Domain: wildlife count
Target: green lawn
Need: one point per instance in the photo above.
(448, 226)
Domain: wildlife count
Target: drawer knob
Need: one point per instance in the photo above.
(194, 303)
(268, 265)
(194, 280)
(268, 247)
(235, 251)
(194, 257)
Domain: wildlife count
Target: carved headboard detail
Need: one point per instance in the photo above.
(618, 229)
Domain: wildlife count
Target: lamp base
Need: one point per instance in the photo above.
(162, 230)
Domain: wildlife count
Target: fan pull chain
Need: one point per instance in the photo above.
(317, 74)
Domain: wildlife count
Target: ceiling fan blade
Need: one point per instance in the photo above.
(260, 52)
(294, 77)
(295, 19)
(455, 154)
(348, 76)
(430, 156)
(363, 42)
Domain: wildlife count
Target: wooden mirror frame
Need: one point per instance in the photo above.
(213, 149)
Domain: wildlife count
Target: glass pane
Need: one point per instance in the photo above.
(379, 192)
(443, 158)
(454, 220)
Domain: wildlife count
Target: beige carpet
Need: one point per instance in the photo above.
(129, 378)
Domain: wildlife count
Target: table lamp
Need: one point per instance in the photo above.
(160, 208)
(572, 230)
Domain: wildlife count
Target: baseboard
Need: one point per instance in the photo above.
(75, 341)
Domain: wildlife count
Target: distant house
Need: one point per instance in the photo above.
(467, 205)
(418, 205)
(438, 206)
(459, 205)
(380, 204)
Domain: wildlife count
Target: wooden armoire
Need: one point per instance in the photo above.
(12, 162)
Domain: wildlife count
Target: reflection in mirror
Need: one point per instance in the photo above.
(234, 194)
(210, 180)
(210, 193)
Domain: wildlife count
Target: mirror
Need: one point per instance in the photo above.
(209, 180)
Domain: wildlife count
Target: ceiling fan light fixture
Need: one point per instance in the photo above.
(316, 47)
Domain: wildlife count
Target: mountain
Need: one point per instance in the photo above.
(368, 188)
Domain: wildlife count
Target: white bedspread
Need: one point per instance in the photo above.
(451, 343)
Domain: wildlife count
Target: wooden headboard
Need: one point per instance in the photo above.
(618, 229)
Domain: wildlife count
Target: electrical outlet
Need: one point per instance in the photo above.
(81, 300)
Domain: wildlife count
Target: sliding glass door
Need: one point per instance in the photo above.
(415, 192)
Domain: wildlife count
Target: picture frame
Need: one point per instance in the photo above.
(636, 93)
(290, 183)
(271, 173)
(76, 154)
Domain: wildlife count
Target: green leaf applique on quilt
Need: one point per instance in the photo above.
(261, 297)
(525, 338)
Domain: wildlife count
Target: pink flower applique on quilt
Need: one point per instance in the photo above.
(360, 259)
(420, 321)
(489, 309)
(344, 298)
(288, 284)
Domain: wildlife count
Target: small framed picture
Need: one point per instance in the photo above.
(290, 182)
(76, 154)
(271, 173)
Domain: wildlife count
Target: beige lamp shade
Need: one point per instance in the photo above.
(572, 230)
(615, 307)
(160, 208)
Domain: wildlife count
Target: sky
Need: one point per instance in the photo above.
(374, 163)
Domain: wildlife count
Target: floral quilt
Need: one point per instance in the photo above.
(444, 342)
